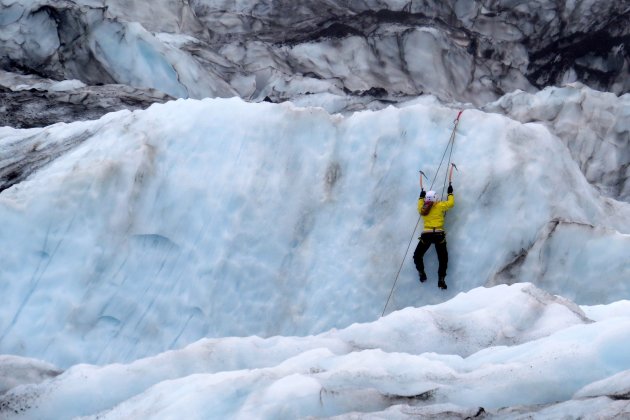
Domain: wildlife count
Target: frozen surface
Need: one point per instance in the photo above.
(365, 54)
(595, 126)
(145, 231)
(221, 259)
(532, 362)
(16, 371)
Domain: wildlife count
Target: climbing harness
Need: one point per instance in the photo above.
(451, 143)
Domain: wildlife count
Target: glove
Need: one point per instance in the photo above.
(450, 189)
(422, 193)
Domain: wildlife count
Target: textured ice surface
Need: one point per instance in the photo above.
(522, 353)
(217, 218)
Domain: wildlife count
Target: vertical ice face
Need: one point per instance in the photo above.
(385, 51)
(130, 56)
(218, 217)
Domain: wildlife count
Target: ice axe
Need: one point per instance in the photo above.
(450, 175)
(422, 174)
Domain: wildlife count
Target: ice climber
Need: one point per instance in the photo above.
(433, 212)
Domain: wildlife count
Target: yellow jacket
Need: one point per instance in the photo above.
(435, 218)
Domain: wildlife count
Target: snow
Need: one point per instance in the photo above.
(598, 312)
(223, 259)
(337, 373)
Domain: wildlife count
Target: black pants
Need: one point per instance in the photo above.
(426, 239)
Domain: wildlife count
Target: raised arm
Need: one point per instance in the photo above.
(450, 201)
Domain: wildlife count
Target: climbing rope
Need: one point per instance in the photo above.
(451, 143)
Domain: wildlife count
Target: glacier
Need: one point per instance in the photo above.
(502, 352)
(209, 209)
(180, 205)
(352, 54)
(142, 232)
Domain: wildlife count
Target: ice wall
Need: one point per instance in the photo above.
(219, 217)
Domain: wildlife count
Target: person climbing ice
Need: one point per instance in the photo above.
(433, 212)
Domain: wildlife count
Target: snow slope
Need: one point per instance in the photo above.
(504, 352)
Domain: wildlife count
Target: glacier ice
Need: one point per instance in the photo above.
(223, 218)
(526, 364)
(224, 259)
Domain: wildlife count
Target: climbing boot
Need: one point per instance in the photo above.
(442, 283)
(423, 277)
